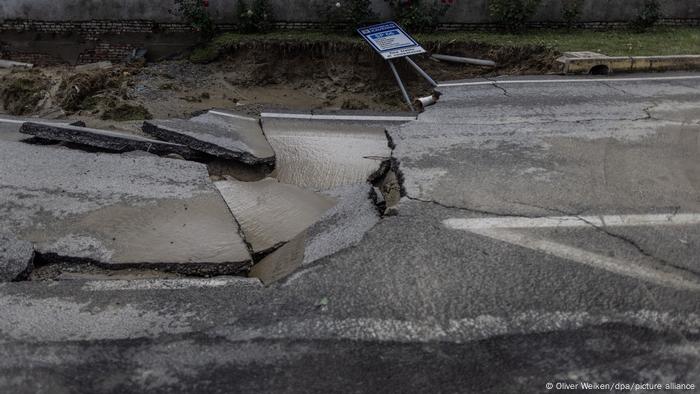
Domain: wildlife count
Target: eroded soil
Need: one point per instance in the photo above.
(246, 78)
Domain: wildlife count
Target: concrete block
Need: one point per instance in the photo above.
(585, 62)
(219, 134)
(272, 213)
(131, 210)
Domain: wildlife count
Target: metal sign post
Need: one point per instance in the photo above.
(391, 42)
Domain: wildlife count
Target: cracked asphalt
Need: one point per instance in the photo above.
(574, 257)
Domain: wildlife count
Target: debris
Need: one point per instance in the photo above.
(426, 101)
(464, 60)
(321, 155)
(239, 171)
(354, 104)
(118, 211)
(77, 92)
(222, 137)
(93, 66)
(15, 257)
(110, 140)
(138, 54)
(23, 92)
(122, 112)
(11, 64)
(272, 213)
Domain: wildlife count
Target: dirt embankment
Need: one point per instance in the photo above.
(249, 76)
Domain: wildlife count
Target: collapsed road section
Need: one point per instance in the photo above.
(165, 201)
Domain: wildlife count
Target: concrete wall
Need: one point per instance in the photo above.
(465, 11)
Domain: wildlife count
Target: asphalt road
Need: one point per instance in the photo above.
(550, 233)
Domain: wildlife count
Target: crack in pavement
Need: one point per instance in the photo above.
(497, 86)
(647, 116)
(647, 110)
(615, 88)
(620, 237)
(472, 210)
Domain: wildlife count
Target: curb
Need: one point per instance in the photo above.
(595, 63)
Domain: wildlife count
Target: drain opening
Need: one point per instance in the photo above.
(600, 69)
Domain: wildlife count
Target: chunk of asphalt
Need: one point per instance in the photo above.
(129, 210)
(10, 125)
(321, 155)
(104, 139)
(282, 262)
(272, 213)
(219, 134)
(16, 257)
(340, 227)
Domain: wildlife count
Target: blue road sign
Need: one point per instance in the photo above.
(390, 40)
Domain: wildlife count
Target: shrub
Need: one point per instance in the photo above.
(419, 15)
(648, 15)
(195, 13)
(256, 18)
(513, 14)
(354, 13)
(571, 11)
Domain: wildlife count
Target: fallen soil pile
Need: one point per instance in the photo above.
(249, 75)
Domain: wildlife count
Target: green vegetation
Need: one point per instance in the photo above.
(196, 14)
(256, 18)
(348, 13)
(419, 15)
(647, 16)
(513, 15)
(656, 41)
(571, 12)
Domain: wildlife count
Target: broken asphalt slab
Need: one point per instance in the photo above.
(321, 154)
(10, 126)
(271, 213)
(104, 139)
(217, 133)
(15, 257)
(132, 209)
(341, 227)
(419, 305)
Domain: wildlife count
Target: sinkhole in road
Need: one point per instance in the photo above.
(223, 194)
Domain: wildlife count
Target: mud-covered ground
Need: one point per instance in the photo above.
(246, 78)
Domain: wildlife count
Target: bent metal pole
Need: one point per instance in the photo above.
(421, 72)
(401, 85)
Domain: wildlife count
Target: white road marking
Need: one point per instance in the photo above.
(631, 269)
(168, 284)
(12, 121)
(501, 228)
(231, 115)
(377, 118)
(574, 221)
(577, 80)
